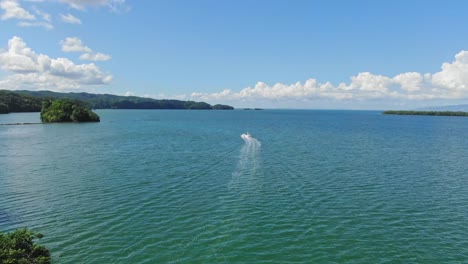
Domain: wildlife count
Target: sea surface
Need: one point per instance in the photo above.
(170, 186)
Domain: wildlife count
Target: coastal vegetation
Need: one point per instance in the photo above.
(15, 102)
(222, 107)
(30, 101)
(4, 109)
(18, 247)
(430, 113)
(66, 110)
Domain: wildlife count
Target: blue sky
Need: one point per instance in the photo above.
(277, 54)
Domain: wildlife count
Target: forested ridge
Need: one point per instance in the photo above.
(15, 102)
(31, 101)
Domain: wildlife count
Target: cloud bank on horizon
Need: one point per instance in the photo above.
(449, 83)
(39, 71)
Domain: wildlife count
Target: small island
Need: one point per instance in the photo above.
(66, 110)
(429, 113)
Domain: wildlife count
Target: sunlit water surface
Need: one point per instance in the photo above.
(183, 187)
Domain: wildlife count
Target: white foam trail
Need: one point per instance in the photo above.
(249, 162)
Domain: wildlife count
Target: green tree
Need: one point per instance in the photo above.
(18, 247)
(197, 105)
(67, 110)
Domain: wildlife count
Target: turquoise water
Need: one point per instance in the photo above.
(183, 187)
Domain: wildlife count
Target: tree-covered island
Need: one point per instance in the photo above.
(429, 113)
(66, 110)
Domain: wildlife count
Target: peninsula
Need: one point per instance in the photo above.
(31, 101)
(429, 113)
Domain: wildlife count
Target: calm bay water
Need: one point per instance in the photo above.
(183, 187)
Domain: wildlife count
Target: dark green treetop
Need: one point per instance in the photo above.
(15, 102)
(66, 110)
(18, 247)
(222, 107)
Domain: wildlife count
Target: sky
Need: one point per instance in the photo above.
(359, 54)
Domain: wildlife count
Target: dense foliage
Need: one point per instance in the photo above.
(431, 113)
(4, 109)
(18, 247)
(14, 102)
(109, 101)
(222, 107)
(66, 110)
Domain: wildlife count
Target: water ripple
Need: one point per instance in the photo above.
(315, 187)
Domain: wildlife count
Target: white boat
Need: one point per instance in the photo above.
(246, 136)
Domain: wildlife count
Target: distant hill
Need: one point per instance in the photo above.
(30, 101)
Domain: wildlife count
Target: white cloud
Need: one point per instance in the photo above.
(13, 10)
(409, 81)
(76, 45)
(454, 76)
(449, 83)
(43, 24)
(114, 5)
(45, 16)
(70, 19)
(38, 71)
(95, 57)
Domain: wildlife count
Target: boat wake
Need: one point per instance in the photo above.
(249, 162)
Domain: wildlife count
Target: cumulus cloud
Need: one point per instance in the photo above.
(76, 45)
(449, 83)
(38, 71)
(454, 76)
(13, 10)
(70, 19)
